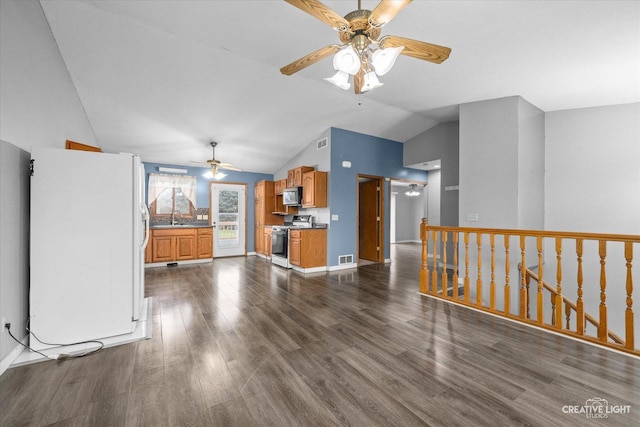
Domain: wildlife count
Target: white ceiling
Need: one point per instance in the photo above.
(163, 78)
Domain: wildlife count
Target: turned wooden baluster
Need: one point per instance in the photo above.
(479, 280)
(524, 297)
(455, 265)
(424, 271)
(552, 300)
(540, 278)
(580, 302)
(507, 287)
(527, 283)
(434, 274)
(558, 308)
(466, 267)
(567, 311)
(445, 276)
(628, 315)
(492, 283)
(602, 330)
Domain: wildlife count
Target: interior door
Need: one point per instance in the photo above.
(369, 220)
(228, 215)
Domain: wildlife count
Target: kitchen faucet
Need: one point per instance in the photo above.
(173, 217)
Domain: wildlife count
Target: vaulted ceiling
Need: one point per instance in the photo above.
(163, 78)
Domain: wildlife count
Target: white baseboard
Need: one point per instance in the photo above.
(190, 261)
(12, 355)
(308, 270)
(408, 241)
(342, 267)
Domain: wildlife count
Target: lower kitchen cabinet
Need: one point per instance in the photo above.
(205, 242)
(180, 244)
(266, 241)
(308, 248)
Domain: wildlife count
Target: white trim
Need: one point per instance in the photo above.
(387, 260)
(253, 253)
(342, 267)
(184, 262)
(408, 241)
(6, 361)
(308, 270)
(533, 326)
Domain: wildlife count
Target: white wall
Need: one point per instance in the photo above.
(530, 166)
(433, 190)
(592, 162)
(489, 163)
(39, 105)
(14, 243)
(592, 166)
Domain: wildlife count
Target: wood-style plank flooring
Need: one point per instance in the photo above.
(239, 342)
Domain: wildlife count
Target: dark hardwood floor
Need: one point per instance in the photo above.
(241, 343)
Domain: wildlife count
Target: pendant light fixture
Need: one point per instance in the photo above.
(413, 191)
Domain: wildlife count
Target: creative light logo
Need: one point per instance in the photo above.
(596, 407)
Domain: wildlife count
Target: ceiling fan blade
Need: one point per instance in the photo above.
(322, 12)
(358, 81)
(229, 167)
(417, 49)
(386, 10)
(310, 59)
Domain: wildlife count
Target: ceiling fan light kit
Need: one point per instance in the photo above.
(362, 55)
(215, 165)
(413, 191)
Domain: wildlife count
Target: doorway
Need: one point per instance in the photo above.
(370, 219)
(228, 217)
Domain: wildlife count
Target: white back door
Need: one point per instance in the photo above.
(228, 215)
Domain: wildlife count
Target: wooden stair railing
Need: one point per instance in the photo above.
(459, 262)
(569, 307)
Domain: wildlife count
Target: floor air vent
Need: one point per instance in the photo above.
(345, 259)
(322, 143)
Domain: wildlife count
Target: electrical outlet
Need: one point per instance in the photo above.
(4, 322)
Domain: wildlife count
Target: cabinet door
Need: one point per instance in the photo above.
(258, 240)
(294, 251)
(291, 178)
(164, 249)
(148, 251)
(267, 241)
(205, 243)
(258, 191)
(308, 189)
(185, 247)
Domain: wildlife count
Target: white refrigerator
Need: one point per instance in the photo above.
(89, 230)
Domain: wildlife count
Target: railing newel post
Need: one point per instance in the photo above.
(424, 271)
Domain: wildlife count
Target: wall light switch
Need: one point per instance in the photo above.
(346, 164)
(473, 217)
(334, 217)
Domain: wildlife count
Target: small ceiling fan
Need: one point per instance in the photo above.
(362, 54)
(217, 165)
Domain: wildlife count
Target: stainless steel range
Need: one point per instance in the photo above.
(280, 238)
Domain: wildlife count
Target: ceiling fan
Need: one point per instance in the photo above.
(362, 54)
(217, 165)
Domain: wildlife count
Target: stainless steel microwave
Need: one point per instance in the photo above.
(292, 196)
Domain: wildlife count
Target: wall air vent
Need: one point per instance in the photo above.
(345, 259)
(322, 143)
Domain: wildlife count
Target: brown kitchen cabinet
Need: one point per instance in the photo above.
(294, 176)
(279, 186)
(314, 189)
(308, 248)
(205, 242)
(266, 241)
(265, 205)
(179, 244)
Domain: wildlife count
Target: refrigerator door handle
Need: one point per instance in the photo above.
(145, 216)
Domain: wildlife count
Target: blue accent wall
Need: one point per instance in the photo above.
(202, 190)
(368, 155)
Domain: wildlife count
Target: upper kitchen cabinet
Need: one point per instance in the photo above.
(294, 176)
(314, 189)
(279, 186)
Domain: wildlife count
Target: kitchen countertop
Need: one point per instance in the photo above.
(179, 226)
